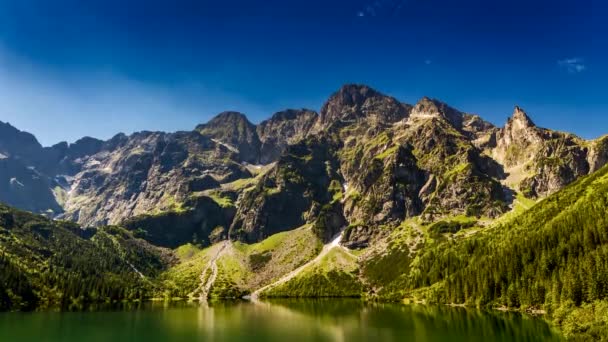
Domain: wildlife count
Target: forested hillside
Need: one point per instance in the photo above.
(47, 263)
(553, 257)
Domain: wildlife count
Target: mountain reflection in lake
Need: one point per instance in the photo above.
(285, 320)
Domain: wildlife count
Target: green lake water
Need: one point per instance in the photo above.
(286, 321)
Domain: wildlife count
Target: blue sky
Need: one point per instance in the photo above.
(72, 68)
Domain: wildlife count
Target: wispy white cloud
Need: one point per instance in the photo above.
(572, 65)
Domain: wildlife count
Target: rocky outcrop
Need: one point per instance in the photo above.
(481, 133)
(290, 195)
(24, 187)
(148, 172)
(354, 103)
(598, 154)
(461, 179)
(519, 141)
(538, 161)
(383, 182)
(234, 131)
(430, 108)
(283, 129)
(203, 222)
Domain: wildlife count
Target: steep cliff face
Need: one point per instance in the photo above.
(24, 187)
(598, 154)
(283, 129)
(355, 103)
(68, 159)
(519, 141)
(539, 161)
(293, 193)
(33, 177)
(18, 144)
(428, 108)
(481, 133)
(366, 163)
(390, 166)
(461, 180)
(202, 221)
(148, 172)
(236, 133)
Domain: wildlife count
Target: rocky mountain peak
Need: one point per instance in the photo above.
(234, 131)
(352, 94)
(228, 116)
(520, 120)
(432, 108)
(18, 143)
(482, 133)
(355, 102)
(289, 114)
(282, 129)
(520, 129)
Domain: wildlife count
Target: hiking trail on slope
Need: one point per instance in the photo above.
(206, 283)
(335, 243)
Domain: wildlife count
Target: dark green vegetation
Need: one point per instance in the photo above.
(553, 257)
(49, 263)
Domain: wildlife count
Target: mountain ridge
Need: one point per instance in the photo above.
(452, 163)
(370, 198)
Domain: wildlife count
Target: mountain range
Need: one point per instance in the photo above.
(369, 197)
(365, 161)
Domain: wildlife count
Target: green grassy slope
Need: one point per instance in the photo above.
(244, 268)
(334, 275)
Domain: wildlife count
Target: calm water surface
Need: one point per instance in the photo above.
(310, 320)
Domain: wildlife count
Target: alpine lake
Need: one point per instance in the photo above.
(277, 320)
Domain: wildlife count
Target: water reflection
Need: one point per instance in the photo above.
(287, 320)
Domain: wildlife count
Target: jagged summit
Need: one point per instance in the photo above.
(350, 94)
(225, 117)
(353, 102)
(520, 118)
(519, 130)
(282, 129)
(426, 107)
(394, 160)
(290, 114)
(234, 131)
(16, 142)
(432, 108)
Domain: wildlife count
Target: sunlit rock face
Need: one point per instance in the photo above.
(366, 161)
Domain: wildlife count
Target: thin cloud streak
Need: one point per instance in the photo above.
(573, 65)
